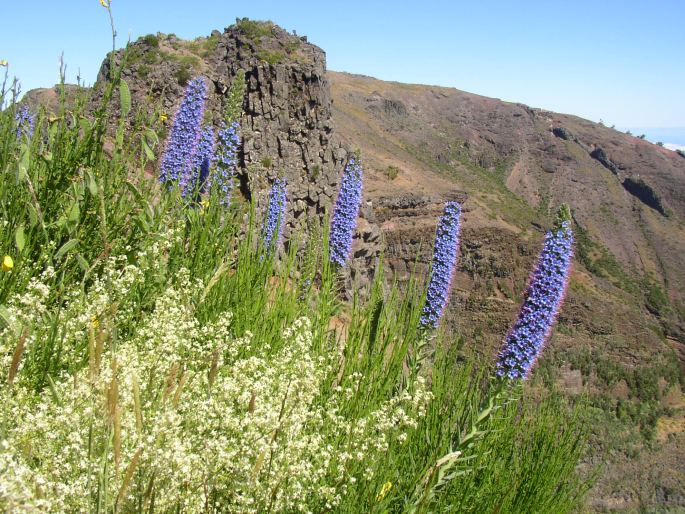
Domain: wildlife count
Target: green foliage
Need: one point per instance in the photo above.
(236, 98)
(656, 299)
(183, 74)
(151, 40)
(599, 260)
(254, 29)
(392, 172)
(314, 172)
(175, 366)
(273, 57)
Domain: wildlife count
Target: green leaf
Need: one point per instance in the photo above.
(24, 161)
(82, 262)
(74, 212)
(124, 98)
(66, 248)
(151, 137)
(85, 124)
(148, 152)
(20, 238)
(33, 215)
(91, 183)
(134, 190)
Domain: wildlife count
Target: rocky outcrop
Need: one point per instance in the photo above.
(646, 194)
(600, 156)
(286, 126)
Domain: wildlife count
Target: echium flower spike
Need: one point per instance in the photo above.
(345, 212)
(543, 299)
(25, 121)
(228, 142)
(443, 266)
(274, 220)
(203, 159)
(182, 144)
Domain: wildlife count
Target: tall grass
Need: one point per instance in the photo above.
(154, 358)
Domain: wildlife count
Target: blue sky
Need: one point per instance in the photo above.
(616, 60)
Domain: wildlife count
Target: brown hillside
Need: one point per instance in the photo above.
(622, 324)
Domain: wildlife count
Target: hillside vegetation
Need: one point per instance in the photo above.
(157, 355)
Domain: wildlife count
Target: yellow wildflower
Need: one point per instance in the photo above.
(163, 117)
(7, 263)
(104, 3)
(3, 62)
(384, 490)
(95, 321)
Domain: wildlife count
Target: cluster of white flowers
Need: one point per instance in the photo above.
(23, 311)
(189, 416)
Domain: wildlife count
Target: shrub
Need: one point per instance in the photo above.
(183, 74)
(151, 40)
(392, 172)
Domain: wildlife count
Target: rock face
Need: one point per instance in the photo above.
(286, 126)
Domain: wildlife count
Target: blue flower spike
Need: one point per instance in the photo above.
(544, 296)
(444, 264)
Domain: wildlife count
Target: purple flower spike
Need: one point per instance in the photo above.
(444, 263)
(272, 230)
(228, 142)
(543, 300)
(345, 212)
(202, 161)
(178, 158)
(25, 121)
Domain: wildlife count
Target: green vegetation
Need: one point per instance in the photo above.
(203, 47)
(153, 358)
(270, 56)
(392, 172)
(641, 404)
(183, 74)
(151, 40)
(656, 299)
(599, 260)
(254, 29)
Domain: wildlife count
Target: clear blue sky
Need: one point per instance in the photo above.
(621, 61)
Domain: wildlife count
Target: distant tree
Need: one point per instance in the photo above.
(659, 143)
(613, 127)
(628, 132)
(641, 136)
(681, 152)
